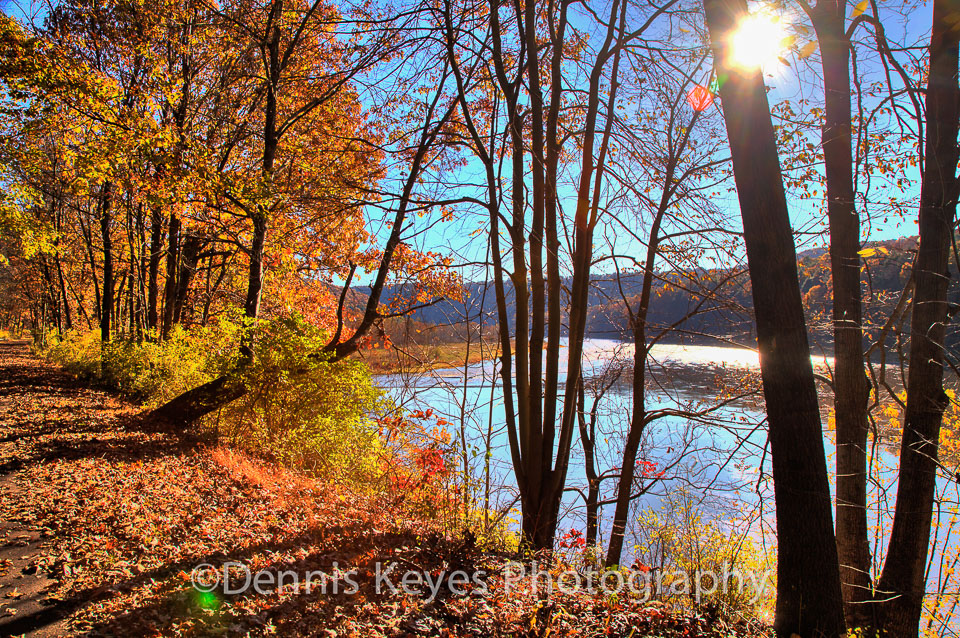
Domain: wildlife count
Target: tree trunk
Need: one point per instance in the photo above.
(546, 448)
(251, 305)
(588, 440)
(638, 420)
(190, 406)
(851, 390)
(170, 286)
(271, 139)
(189, 256)
(106, 309)
(120, 305)
(809, 600)
(51, 293)
(902, 582)
(135, 241)
(131, 321)
(535, 528)
(87, 233)
(56, 260)
(631, 447)
(81, 308)
(63, 292)
(156, 253)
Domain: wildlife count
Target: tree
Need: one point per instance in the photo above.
(809, 601)
(902, 583)
(300, 82)
(164, 121)
(684, 160)
(532, 62)
(851, 392)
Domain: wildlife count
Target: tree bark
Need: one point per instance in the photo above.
(56, 209)
(535, 525)
(637, 425)
(189, 257)
(271, 139)
(809, 600)
(251, 305)
(87, 234)
(190, 406)
(63, 291)
(170, 286)
(119, 304)
(902, 582)
(52, 295)
(587, 434)
(106, 309)
(851, 389)
(592, 167)
(156, 254)
(587, 421)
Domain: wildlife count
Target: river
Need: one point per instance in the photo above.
(721, 450)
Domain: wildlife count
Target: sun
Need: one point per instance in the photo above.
(758, 42)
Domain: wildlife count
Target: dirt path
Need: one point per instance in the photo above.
(44, 415)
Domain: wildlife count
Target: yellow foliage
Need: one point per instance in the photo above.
(682, 537)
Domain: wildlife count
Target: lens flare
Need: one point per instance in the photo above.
(206, 600)
(699, 98)
(758, 42)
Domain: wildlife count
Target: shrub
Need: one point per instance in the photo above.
(77, 352)
(148, 370)
(304, 411)
(683, 538)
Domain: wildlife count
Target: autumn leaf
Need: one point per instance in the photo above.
(808, 50)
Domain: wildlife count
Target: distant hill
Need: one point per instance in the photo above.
(708, 306)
